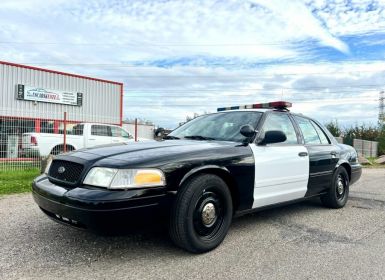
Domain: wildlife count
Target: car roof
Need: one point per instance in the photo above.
(263, 111)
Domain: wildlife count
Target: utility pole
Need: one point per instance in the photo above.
(381, 115)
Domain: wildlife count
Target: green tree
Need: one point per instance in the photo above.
(363, 131)
(334, 128)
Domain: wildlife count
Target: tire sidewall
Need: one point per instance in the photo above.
(218, 186)
(340, 171)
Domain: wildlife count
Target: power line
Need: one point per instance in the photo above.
(225, 93)
(164, 104)
(346, 88)
(156, 44)
(124, 65)
(238, 75)
(381, 106)
(167, 44)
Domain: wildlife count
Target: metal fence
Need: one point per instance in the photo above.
(366, 148)
(24, 141)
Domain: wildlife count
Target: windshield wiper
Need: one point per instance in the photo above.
(170, 137)
(198, 137)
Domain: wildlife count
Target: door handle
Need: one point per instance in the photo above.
(333, 153)
(302, 154)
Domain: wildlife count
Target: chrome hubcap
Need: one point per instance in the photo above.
(340, 186)
(208, 214)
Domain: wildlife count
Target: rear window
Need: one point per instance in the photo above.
(324, 139)
(309, 133)
(100, 130)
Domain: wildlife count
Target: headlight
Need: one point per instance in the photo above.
(124, 178)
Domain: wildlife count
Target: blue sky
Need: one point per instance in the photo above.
(177, 58)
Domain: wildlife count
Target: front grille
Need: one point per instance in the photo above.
(65, 171)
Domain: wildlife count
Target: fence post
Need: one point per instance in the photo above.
(362, 148)
(136, 130)
(65, 133)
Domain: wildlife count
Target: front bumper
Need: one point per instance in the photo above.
(95, 208)
(356, 173)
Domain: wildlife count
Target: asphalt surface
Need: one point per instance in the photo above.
(301, 241)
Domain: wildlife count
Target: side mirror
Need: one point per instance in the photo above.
(273, 136)
(247, 130)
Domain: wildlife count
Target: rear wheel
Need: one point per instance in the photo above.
(338, 194)
(201, 214)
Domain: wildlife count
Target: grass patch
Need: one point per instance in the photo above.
(17, 181)
(373, 164)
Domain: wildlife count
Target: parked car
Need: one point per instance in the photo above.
(82, 135)
(202, 174)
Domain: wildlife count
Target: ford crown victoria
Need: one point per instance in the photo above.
(238, 160)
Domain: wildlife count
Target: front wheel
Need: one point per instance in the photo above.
(201, 214)
(338, 193)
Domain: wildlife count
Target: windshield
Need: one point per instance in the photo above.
(220, 126)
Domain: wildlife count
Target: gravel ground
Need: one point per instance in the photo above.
(301, 241)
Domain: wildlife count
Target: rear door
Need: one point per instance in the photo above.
(100, 135)
(281, 169)
(322, 154)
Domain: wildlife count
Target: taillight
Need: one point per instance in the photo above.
(33, 141)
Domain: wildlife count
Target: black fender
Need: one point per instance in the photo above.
(346, 164)
(199, 169)
(220, 171)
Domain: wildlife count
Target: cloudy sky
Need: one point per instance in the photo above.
(180, 57)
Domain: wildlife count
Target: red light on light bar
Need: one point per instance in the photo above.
(270, 105)
(280, 104)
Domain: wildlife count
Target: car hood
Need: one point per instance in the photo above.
(145, 152)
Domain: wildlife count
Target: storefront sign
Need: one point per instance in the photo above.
(49, 95)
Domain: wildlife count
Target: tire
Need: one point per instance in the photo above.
(338, 193)
(201, 214)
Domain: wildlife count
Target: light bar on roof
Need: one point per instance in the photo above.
(269, 105)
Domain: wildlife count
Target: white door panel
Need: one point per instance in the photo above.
(276, 194)
(280, 174)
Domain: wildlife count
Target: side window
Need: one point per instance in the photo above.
(282, 122)
(78, 129)
(321, 134)
(119, 132)
(309, 133)
(100, 130)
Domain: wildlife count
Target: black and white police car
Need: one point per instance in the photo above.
(235, 161)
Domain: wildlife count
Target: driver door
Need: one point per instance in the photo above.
(281, 169)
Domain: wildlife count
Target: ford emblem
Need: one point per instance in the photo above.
(61, 169)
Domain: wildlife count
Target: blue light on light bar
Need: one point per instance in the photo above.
(270, 105)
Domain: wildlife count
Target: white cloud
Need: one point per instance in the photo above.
(352, 17)
(224, 37)
(298, 19)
